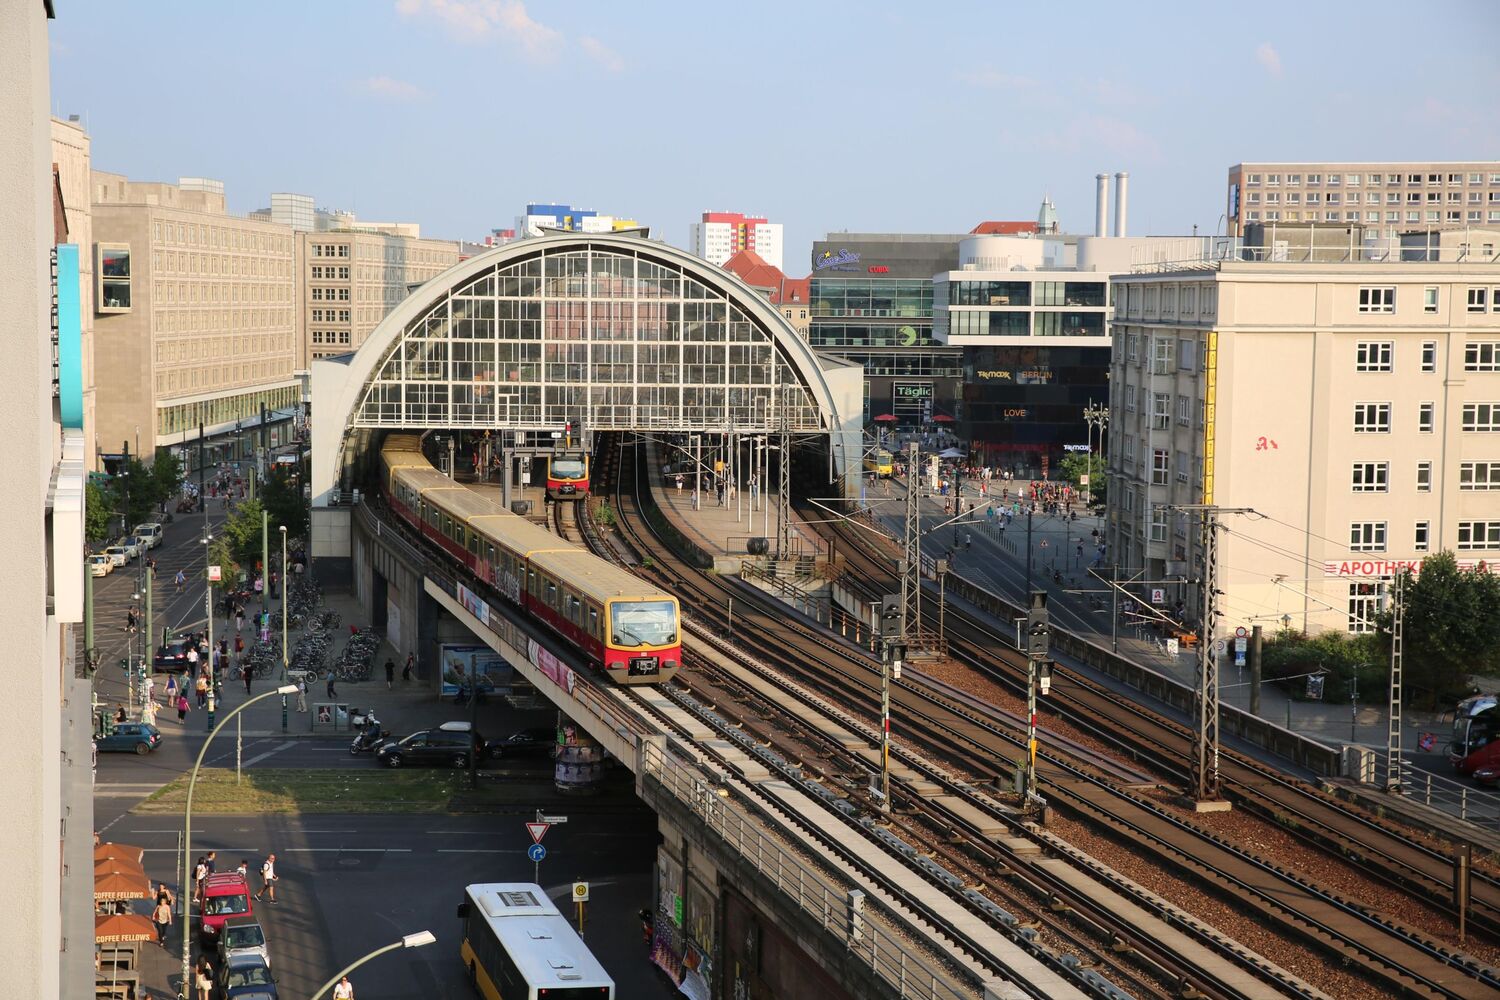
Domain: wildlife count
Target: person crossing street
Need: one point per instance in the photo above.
(268, 878)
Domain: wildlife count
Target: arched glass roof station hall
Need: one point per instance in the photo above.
(617, 331)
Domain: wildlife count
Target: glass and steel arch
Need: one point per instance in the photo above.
(615, 334)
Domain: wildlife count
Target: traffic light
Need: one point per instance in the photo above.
(1038, 627)
(890, 616)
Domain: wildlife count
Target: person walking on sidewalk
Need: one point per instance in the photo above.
(302, 695)
(268, 878)
(182, 708)
(249, 673)
(344, 990)
(331, 693)
(162, 918)
(411, 664)
(390, 673)
(200, 687)
(180, 580)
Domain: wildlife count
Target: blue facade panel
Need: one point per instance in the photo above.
(69, 338)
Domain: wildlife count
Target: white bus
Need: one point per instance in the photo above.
(519, 946)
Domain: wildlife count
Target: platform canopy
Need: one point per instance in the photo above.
(606, 331)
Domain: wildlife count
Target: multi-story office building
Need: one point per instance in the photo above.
(721, 235)
(787, 294)
(1387, 198)
(1353, 407)
(348, 281)
(575, 220)
(45, 785)
(194, 314)
(871, 296)
(1035, 349)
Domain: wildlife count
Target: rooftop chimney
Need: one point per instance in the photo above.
(1101, 205)
(1122, 197)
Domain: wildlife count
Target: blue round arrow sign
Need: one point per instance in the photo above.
(536, 852)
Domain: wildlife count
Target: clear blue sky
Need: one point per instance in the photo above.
(865, 115)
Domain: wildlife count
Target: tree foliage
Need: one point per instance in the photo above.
(237, 546)
(1341, 656)
(166, 475)
(1075, 465)
(97, 511)
(1450, 626)
(282, 497)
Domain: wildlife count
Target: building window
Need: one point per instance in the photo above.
(1161, 358)
(1161, 410)
(1132, 345)
(1364, 605)
(1158, 524)
(1372, 356)
(1161, 466)
(1129, 450)
(1478, 300)
(1478, 535)
(1430, 299)
(1429, 355)
(1372, 418)
(1182, 466)
(1482, 356)
(1367, 536)
(1130, 399)
(1369, 477)
(1377, 299)
(1420, 537)
(1484, 417)
(1424, 477)
(1479, 476)
(1184, 411)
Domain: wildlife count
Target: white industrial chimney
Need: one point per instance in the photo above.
(1122, 198)
(1101, 205)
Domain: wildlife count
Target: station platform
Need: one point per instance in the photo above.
(723, 526)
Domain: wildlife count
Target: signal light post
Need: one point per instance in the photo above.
(893, 651)
(1038, 674)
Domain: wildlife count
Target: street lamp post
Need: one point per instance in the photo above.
(187, 832)
(1096, 416)
(416, 940)
(284, 581)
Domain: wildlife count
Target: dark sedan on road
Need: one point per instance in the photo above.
(449, 745)
(536, 742)
(247, 977)
(172, 655)
(130, 737)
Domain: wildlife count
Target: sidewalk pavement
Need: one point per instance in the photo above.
(405, 707)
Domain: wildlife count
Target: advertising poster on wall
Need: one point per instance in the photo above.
(462, 662)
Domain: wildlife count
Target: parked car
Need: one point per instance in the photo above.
(101, 565)
(151, 533)
(118, 554)
(535, 742)
(452, 744)
(240, 937)
(132, 546)
(247, 977)
(172, 655)
(130, 737)
(225, 895)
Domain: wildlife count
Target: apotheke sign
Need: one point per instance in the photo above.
(1391, 567)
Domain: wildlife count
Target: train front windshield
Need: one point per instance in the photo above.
(567, 468)
(644, 623)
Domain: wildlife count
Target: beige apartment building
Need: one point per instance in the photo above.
(348, 281)
(195, 317)
(1387, 198)
(1353, 408)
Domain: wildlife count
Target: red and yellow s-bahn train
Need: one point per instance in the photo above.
(625, 627)
(568, 477)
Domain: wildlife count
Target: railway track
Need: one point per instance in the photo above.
(1400, 961)
(1153, 969)
(1387, 851)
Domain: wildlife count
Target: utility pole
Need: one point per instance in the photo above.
(202, 472)
(1205, 763)
(893, 650)
(911, 550)
(1038, 673)
(784, 500)
(1393, 762)
(1028, 549)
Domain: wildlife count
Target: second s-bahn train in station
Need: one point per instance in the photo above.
(625, 626)
(568, 476)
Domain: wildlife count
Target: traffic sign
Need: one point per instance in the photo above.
(1158, 595)
(537, 831)
(213, 574)
(580, 892)
(1240, 644)
(1240, 632)
(536, 852)
(552, 820)
(1218, 645)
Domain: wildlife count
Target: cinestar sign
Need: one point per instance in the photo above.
(831, 259)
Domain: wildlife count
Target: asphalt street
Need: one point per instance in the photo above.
(350, 884)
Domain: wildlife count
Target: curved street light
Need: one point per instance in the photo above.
(187, 831)
(416, 940)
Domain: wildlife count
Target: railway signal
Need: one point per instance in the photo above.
(1038, 673)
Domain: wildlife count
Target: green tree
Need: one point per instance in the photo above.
(97, 510)
(1075, 465)
(166, 476)
(282, 497)
(236, 547)
(1450, 626)
(132, 493)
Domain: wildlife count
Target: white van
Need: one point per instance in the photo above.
(150, 534)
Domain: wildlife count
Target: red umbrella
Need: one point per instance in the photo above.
(127, 851)
(942, 418)
(886, 418)
(124, 927)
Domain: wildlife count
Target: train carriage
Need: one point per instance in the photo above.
(624, 626)
(568, 476)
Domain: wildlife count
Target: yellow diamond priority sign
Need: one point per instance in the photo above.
(580, 892)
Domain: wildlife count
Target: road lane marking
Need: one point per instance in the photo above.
(477, 850)
(275, 750)
(346, 850)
